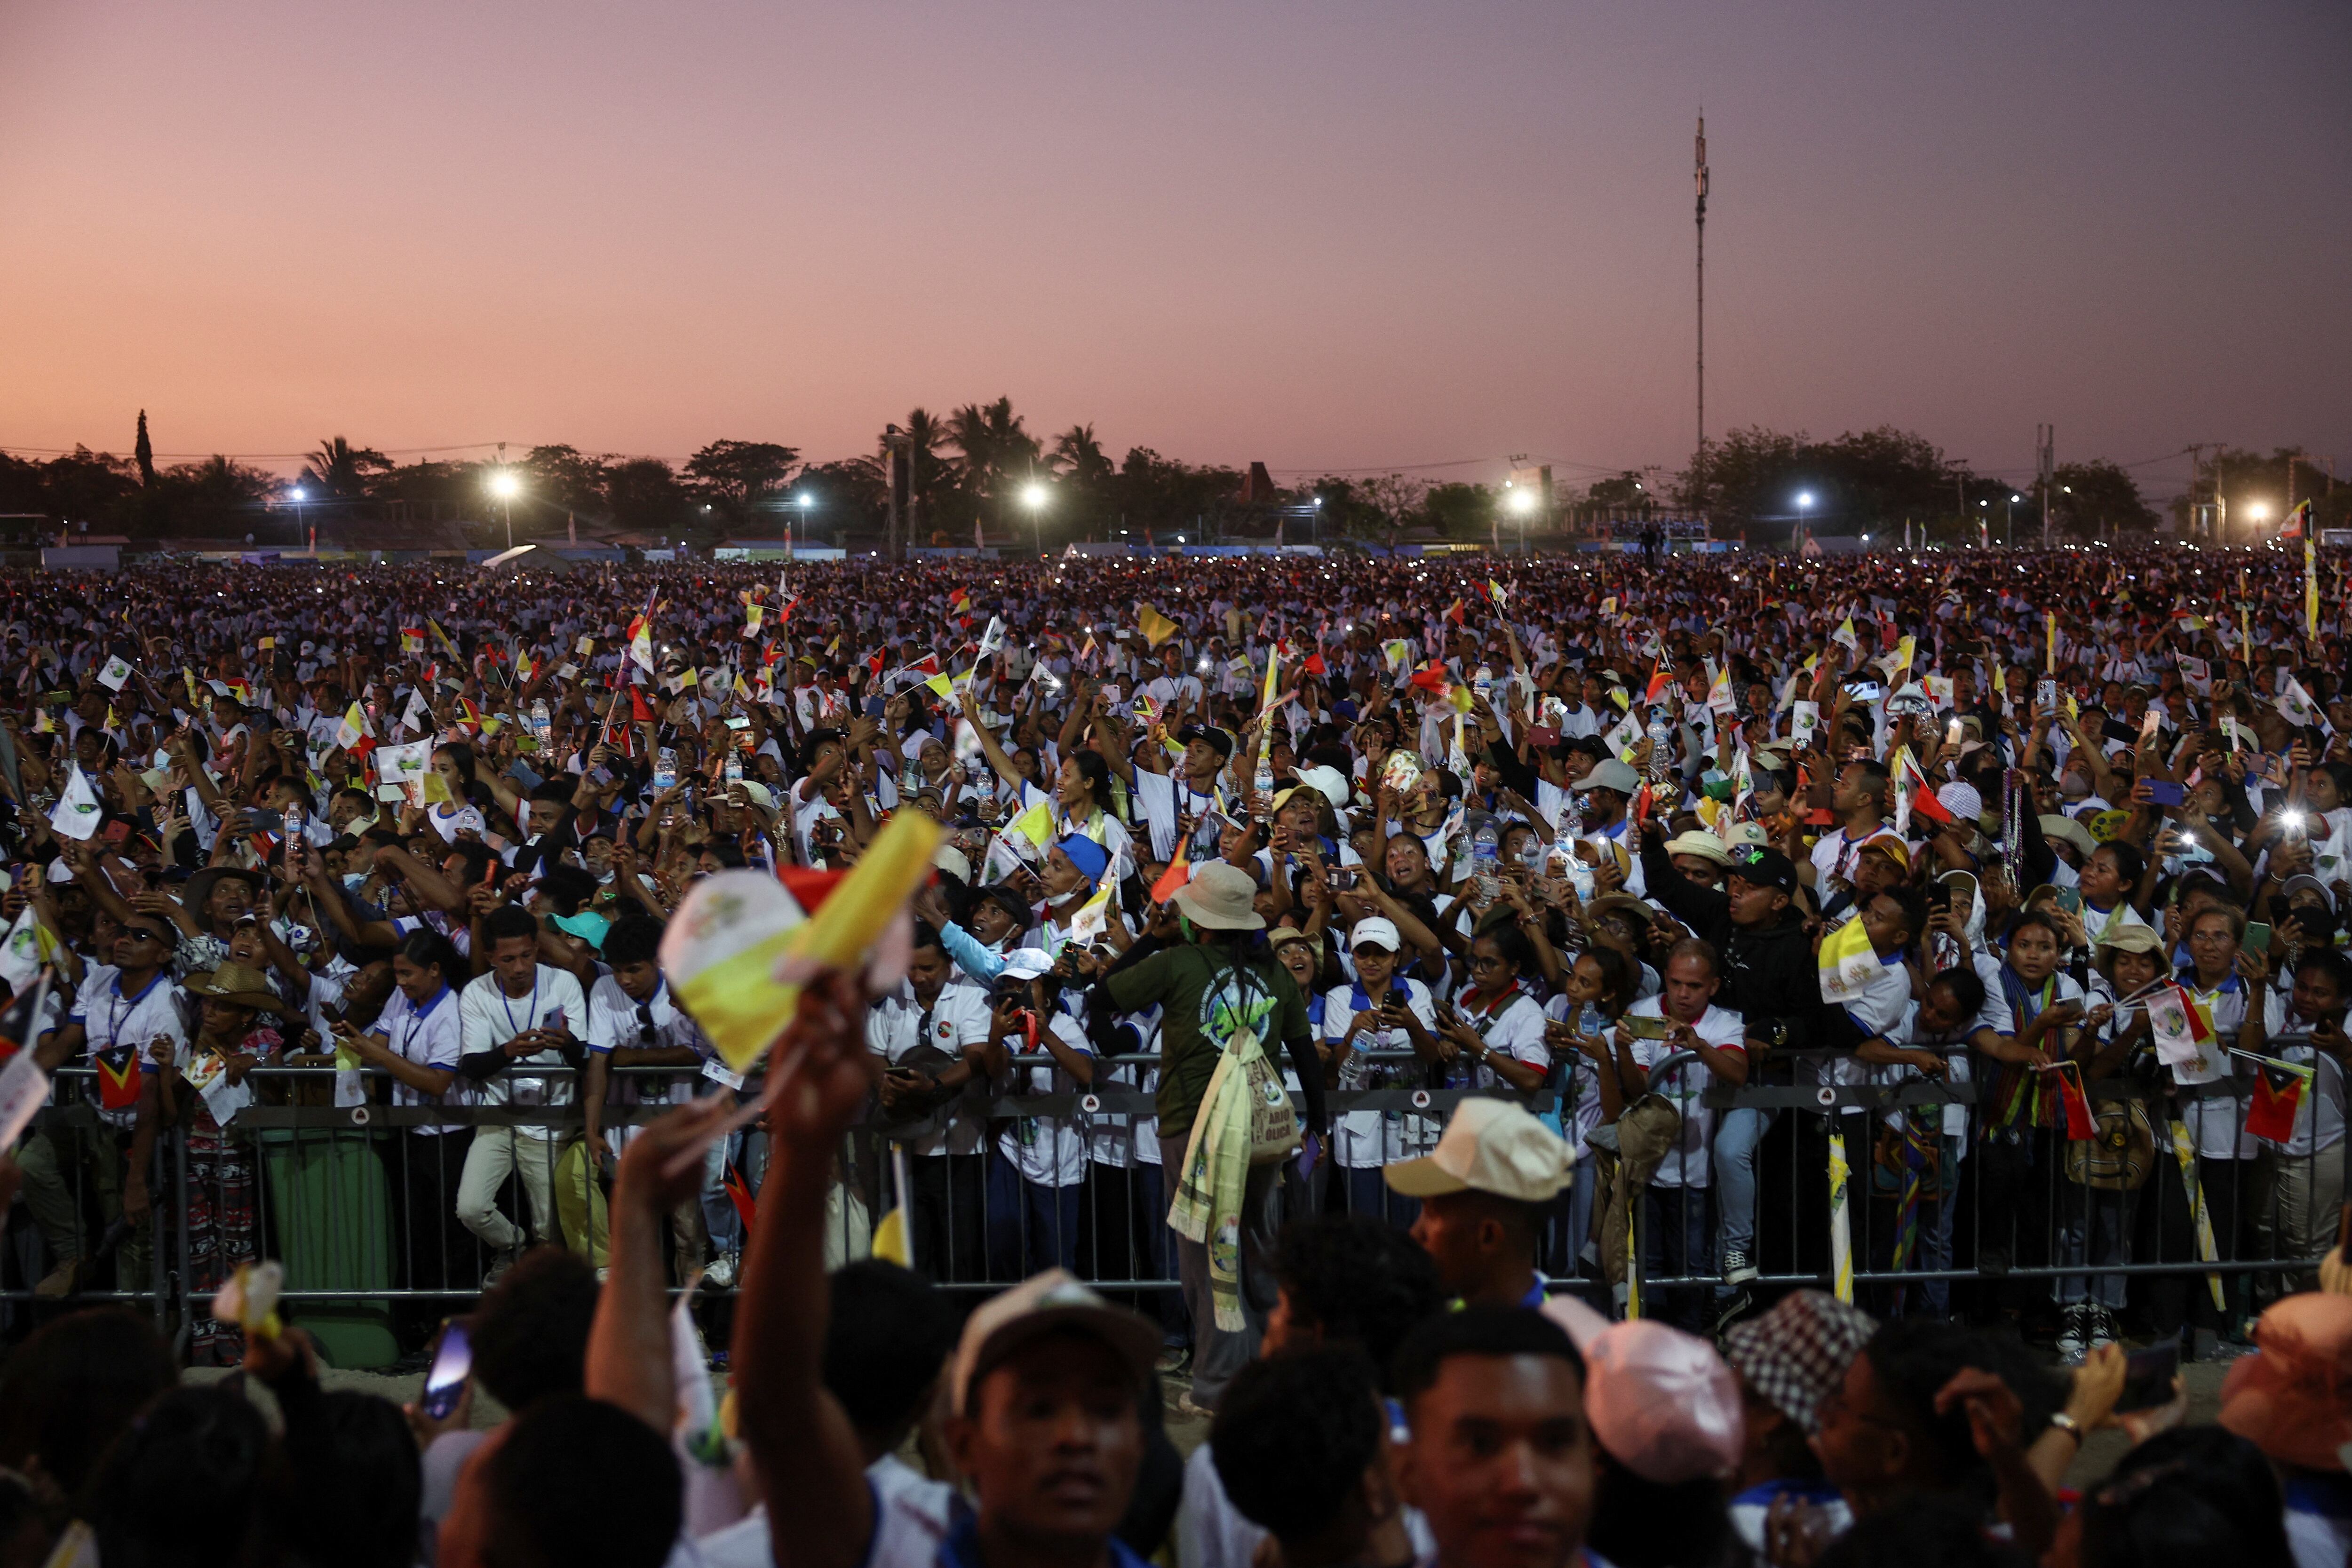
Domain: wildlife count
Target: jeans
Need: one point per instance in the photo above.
(2094, 1228)
(950, 1214)
(1368, 1192)
(1568, 1226)
(1935, 1233)
(1676, 1229)
(1126, 1236)
(1737, 1136)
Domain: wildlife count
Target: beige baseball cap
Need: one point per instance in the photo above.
(1042, 1304)
(1489, 1146)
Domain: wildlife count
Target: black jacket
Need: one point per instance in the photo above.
(1768, 974)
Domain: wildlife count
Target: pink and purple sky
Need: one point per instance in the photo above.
(1325, 235)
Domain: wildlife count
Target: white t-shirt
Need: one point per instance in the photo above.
(1119, 1139)
(1047, 1150)
(429, 1037)
(488, 1018)
(2219, 1126)
(1582, 1114)
(1163, 798)
(1689, 1164)
(615, 1023)
(1516, 1030)
(133, 1021)
(957, 1017)
(1367, 1140)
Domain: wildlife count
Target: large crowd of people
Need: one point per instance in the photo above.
(1811, 1017)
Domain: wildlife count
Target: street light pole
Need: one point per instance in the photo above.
(1033, 496)
(506, 486)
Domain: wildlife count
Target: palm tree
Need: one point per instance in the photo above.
(1079, 455)
(994, 444)
(341, 469)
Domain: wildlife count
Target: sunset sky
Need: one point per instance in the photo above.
(1334, 235)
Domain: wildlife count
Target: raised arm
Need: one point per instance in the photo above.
(819, 1511)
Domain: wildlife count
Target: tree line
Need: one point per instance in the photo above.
(980, 466)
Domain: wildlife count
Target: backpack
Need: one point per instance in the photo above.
(2122, 1152)
(1273, 1133)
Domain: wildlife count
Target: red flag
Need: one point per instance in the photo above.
(1455, 613)
(1171, 881)
(1659, 681)
(1434, 679)
(2270, 1115)
(2079, 1125)
(1314, 665)
(638, 713)
(809, 888)
(738, 1193)
(1923, 795)
(21, 1021)
(117, 1077)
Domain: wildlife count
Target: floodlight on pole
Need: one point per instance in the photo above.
(506, 486)
(1033, 496)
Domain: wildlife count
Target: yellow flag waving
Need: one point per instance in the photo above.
(1156, 628)
(1846, 962)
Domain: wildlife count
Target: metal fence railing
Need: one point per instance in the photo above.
(2134, 1216)
(386, 1216)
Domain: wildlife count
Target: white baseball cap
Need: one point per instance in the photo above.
(1042, 1304)
(1489, 1146)
(1375, 931)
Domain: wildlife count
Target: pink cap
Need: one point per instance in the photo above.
(2292, 1397)
(1663, 1402)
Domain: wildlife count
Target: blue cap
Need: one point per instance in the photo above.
(1087, 856)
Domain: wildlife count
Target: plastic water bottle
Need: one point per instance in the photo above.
(1483, 684)
(734, 768)
(1264, 781)
(1531, 855)
(664, 769)
(1483, 857)
(294, 821)
(1661, 746)
(542, 726)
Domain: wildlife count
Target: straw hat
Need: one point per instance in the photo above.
(234, 982)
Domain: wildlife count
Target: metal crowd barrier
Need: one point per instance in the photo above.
(2183, 1239)
(384, 1225)
(381, 1229)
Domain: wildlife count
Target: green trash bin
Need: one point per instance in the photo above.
(330, 1211)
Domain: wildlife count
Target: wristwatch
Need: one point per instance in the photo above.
(2068, 1425)
(1776, 1035)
